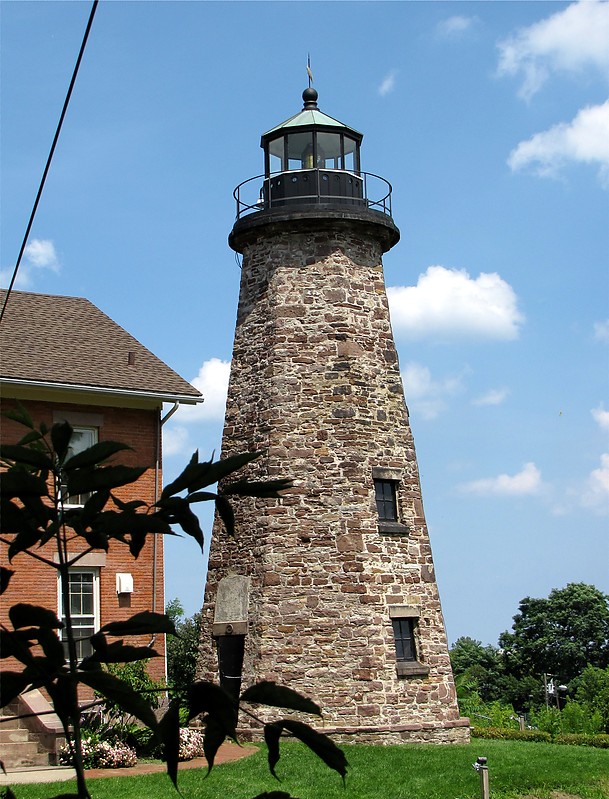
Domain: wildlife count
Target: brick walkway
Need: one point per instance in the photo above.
(226, 753)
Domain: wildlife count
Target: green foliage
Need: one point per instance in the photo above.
(573, 739)
(592, 690)
(504, 734)
(39, 475)
(560, 635)
(182, 648)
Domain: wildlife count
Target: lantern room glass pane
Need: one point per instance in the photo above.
(276, 154)
(328, 151)
(300, 150)
(350, 146)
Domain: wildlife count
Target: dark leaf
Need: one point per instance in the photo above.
(184, 479)
(52, 647)
(65, 698)
(61, 435)
(213, 739)
(201, 496)
(320, 744)
(30, 438)
(205, 697)
(25, 455)
(6, 790)
(168, 733)
(200, 475)
(94, 505)
(92, 456)
(12, 683)
(65, 796)
(17, 483)
(24, 615)
(272, 734)
(269, 693)
(189, 522)
(225, 512)
(129, 506)
(274, 795)
(141, 624)
(83, 481)
(5, 578)
(120, 693)
(17, 645)
(99, 642)
(26, 539)
(19, 414)
(118, 652)
(254, 488)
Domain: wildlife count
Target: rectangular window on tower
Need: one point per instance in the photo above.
(386, 496)
(404, 622)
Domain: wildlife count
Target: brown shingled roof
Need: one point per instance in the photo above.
(68, 340)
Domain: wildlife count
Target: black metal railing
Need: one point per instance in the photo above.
(303, 187)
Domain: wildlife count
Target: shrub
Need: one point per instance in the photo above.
(598, 741)
(100, 754)
(191, 744)
(504, 734)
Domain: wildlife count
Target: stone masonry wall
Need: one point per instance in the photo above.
(315, 385)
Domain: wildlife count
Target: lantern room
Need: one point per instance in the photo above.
(312, 158)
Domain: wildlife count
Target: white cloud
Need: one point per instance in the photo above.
(175, 440)
(212, 382)
(596, 493)
(39, 254)
(425, 396)
(526, 481)
(495, 396)
(455, 26)
(583, 140)
(388, 83)
(448, 302)
(601, 417)
(601, 330)
(570, 41)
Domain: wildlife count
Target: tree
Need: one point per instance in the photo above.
(182, 649)
(479, 666)
(38, 473)
(560, 635)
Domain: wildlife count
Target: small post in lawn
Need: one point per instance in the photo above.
(482, 769)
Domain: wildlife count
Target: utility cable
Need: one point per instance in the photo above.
(50, 158)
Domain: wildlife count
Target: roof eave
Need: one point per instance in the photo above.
(159, 396)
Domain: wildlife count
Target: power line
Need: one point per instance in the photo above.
(50, 157)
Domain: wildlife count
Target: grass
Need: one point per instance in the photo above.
(516, 769)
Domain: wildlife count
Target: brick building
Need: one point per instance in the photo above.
(63, 359)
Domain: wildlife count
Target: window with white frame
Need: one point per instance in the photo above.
(82, 439)
(83, 593)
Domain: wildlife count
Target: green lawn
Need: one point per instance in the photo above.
(391, 772)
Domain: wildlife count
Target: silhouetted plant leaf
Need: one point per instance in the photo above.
(5, 578)
(141, 624)
(122, 694)
(17, 645)
(65, 698)
(61, 435)
(24, 615)
(30, 438)
(83, 481)
(262, 488)
(18, 483)
(205, 697)
(25, 455)
(318, 743)
(117, 652)
(200, 475)
(168, 732)
(94, 455)
(269, 693)
(213, 739)
(52, 647)
(183, 515)
(6, 790)
(272, 734)
(19, 414)
(275, 795)
(226, 513)
(94, 505)
(12, 683)
(24, 540)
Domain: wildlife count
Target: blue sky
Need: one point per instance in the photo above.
(490, 119)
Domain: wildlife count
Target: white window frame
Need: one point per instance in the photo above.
(95, 616)
(78, 500)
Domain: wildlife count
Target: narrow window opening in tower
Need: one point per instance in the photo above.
(386, 500)
(403, 632)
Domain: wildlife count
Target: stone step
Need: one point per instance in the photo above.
(22, 754)
(12, 734)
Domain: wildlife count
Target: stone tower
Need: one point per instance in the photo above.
(331, 589)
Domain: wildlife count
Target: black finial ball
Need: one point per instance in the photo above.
(310, 95)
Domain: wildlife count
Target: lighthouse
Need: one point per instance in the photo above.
(331, 589)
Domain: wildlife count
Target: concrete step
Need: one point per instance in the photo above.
(12, 734)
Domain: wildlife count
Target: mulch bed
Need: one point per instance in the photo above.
(226, 753)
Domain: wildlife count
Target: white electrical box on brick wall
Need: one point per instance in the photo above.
(124, 583)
